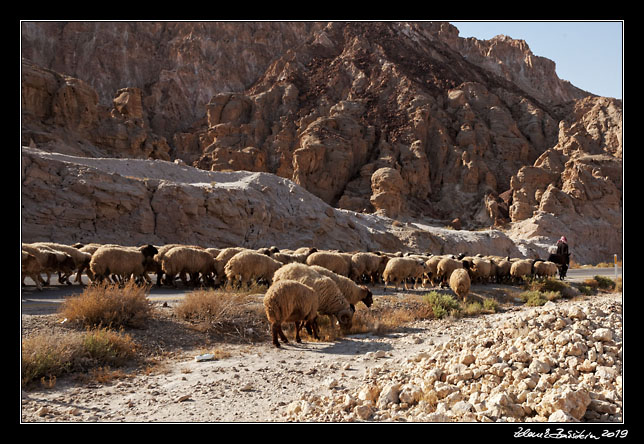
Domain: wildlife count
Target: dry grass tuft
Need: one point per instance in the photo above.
(109, 305)
(224, 313)
(48, 356)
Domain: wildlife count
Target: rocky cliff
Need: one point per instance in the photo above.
(405, 120)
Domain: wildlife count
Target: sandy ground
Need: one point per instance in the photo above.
(250, 383)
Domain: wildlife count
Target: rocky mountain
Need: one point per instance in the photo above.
(406, 121)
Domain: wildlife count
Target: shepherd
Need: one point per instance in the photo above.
(561, 257)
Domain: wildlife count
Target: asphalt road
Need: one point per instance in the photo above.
(49, 299)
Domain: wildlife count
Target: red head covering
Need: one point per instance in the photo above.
(563, 239)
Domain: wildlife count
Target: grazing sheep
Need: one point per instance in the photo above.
(352, 292)
(399, 269)
(249, 266)
(339, 263)
(196, 262)
(291, 301)
(286, 257)
(521, 268)
(123, 261)
(31, 268)
(460, 283)
(331, 301)
(545, 269)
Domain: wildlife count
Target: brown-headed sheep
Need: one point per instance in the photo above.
(352, 292)
(290, 301)
(248, 267)
(331, 300)
(121, 260)
(460, 283)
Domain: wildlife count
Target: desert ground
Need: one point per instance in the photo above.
(314, 381)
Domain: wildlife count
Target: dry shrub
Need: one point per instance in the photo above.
(109, 305)
(47, 356)
(227, 314)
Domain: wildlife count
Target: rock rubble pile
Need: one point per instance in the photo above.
(553, 363)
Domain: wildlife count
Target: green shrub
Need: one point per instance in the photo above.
(442, 304)
(605, 283)
(535, 298)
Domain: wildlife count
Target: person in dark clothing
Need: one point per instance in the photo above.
(562, 249)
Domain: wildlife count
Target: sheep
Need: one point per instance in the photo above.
(366, 264)
(222, 259)
(431, 271)
(249, 266)
(399, 269)
(291, 301)
(51, 261)
(352, 292)
(481, 269)
(339, 263)
(81, 259)
(120, 260)
(331, 301)
(545, 269)
(459, 282)
(190, 260)
(502, 269)
(521, 268)
(31, 268)
(447, 265)
(286, 257)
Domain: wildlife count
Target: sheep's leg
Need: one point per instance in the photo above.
(275, 331)
(298, 326)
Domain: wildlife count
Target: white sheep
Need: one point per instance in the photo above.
(331, 300)
(247, 267)
(182, 260)
(460, 283)
(399, 269)
(339, 263)
(121, 260)
(431, 271)
(291, 301)
(352, 292)
(545, 269)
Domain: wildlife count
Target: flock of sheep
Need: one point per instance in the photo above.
(302, 283)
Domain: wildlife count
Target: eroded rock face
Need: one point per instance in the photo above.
(482, 131)
(575, 188)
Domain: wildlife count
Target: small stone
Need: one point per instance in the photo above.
(363, 412)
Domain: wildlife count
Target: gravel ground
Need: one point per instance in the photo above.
(559, 362)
